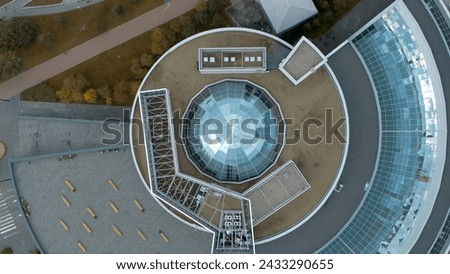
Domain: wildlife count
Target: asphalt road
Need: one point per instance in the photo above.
(8, 133)
(14, 232)
(440, 52)
(358, 168)
(13, 229)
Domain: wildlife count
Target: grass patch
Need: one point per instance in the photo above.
(4, 2)
(112, 68)
(60, 32)
(36, 3)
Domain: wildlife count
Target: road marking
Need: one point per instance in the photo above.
(7, 214)
(7, 228)
(12, 234)
(4, 199)
(2, 222)
(6, 231)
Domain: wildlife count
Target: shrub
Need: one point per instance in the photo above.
(10, 65)
(17, 33)
(91, 96)
(41, 92)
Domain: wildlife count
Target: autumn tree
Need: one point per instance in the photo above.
(16, 33)
(201, 6)
(134, 87)
(42, 92)
(323, 5)
(72, 89)
(64, 95)
(217, 20)
(159, 42)
(141, 65)
(201, 18)
(104, 92)
(10, 65)
(76, 82)
(216, 6)
(109, 101)
(91, 96)
(121, 93)
(77, 97)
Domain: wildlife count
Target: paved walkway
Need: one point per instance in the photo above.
(17, 8)
(95, 46)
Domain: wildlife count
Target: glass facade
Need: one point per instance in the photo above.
(440, 20)
(233, 131)
(409, 134)
(439, 244)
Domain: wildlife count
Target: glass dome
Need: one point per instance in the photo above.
(233, 131)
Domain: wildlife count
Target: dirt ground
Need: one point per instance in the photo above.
(36, 3)
(69, 29)
(319, 163)
(2, 150)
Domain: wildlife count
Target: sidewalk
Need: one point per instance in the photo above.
(95, 46)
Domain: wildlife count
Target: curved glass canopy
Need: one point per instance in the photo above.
(233, 131)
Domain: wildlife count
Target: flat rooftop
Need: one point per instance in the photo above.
(41, 182)
(319, 163)
(275, 191)
(303, 61)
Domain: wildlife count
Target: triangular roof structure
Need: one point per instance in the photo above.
(286, 14)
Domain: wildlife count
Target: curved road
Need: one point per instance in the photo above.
(95, 46)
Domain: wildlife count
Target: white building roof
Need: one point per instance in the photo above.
(285, 14)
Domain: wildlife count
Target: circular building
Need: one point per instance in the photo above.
(232, 134)
(233, 131)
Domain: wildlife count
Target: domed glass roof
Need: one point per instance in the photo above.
(233, 131)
